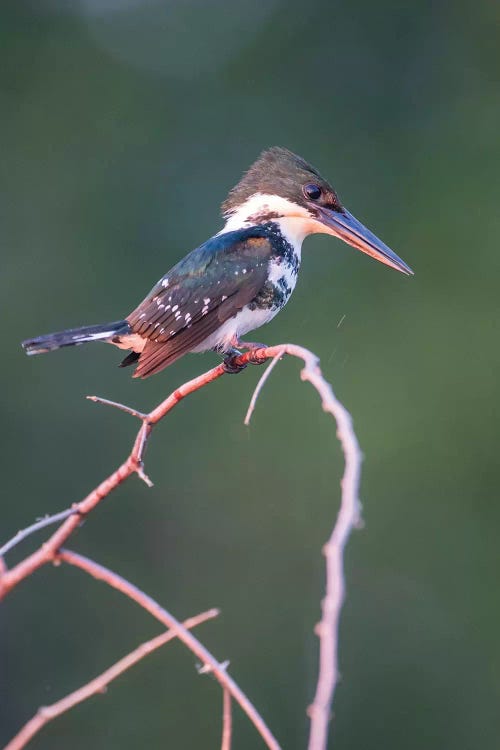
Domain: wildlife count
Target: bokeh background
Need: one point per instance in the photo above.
(122, 126)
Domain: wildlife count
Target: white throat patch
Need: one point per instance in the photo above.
(295, 221)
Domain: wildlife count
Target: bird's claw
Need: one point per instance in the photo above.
(231, 367)
(252, 346)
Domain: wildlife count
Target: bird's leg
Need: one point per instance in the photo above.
(247, 344)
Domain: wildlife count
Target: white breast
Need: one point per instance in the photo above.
(233, 329)
(281, 274)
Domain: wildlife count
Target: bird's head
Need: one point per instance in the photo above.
(281, 186)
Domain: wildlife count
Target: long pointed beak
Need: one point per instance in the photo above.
(344, 225)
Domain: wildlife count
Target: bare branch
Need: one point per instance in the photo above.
(348, 519)
(116, 405)
(227, 720)
(260, 385)
(132, 465)
(37, 526)
(99, 684)
(193, 644)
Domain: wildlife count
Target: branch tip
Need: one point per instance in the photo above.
(120, 407)
(142, 475)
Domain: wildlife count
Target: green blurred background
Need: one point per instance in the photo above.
(122, 126)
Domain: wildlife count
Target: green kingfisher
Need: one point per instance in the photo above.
(240, 278)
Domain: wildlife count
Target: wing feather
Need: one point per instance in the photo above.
(208, 287)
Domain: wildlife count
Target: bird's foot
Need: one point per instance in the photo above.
(250, 346)
(231, 367)
(229, 362)
(230, 355)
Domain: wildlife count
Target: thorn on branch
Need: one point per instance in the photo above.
(208, 668)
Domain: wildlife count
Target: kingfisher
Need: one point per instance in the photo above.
(240, 278)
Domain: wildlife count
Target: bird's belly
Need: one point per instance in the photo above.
(272, 297)
(225, 336)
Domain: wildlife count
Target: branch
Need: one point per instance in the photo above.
(260, 386)
(150, 605)
(132, 465)
(37, 526)
(45, 714)
(348, 519)
(227, 720)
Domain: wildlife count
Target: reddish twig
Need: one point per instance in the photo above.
(227, 720)
(150, 605)
(45, 714)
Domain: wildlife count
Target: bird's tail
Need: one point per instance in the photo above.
(75, 336)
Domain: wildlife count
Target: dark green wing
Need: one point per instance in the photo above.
(209, 286)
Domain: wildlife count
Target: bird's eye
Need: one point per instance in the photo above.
(312, 191)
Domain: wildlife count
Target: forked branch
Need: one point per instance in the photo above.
(99, 684)
(348, 518)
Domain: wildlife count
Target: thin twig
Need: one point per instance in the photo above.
(45, 714)
(260, 385)
(37, 526)
(227, 720)
(133, 464)
(150, 605)
(116, 405)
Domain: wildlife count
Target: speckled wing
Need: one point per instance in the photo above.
(209, 286)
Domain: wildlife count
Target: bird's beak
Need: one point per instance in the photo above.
(344, 225)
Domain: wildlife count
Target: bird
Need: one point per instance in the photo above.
(240, 278)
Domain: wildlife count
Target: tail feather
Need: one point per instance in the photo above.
(75, 336)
